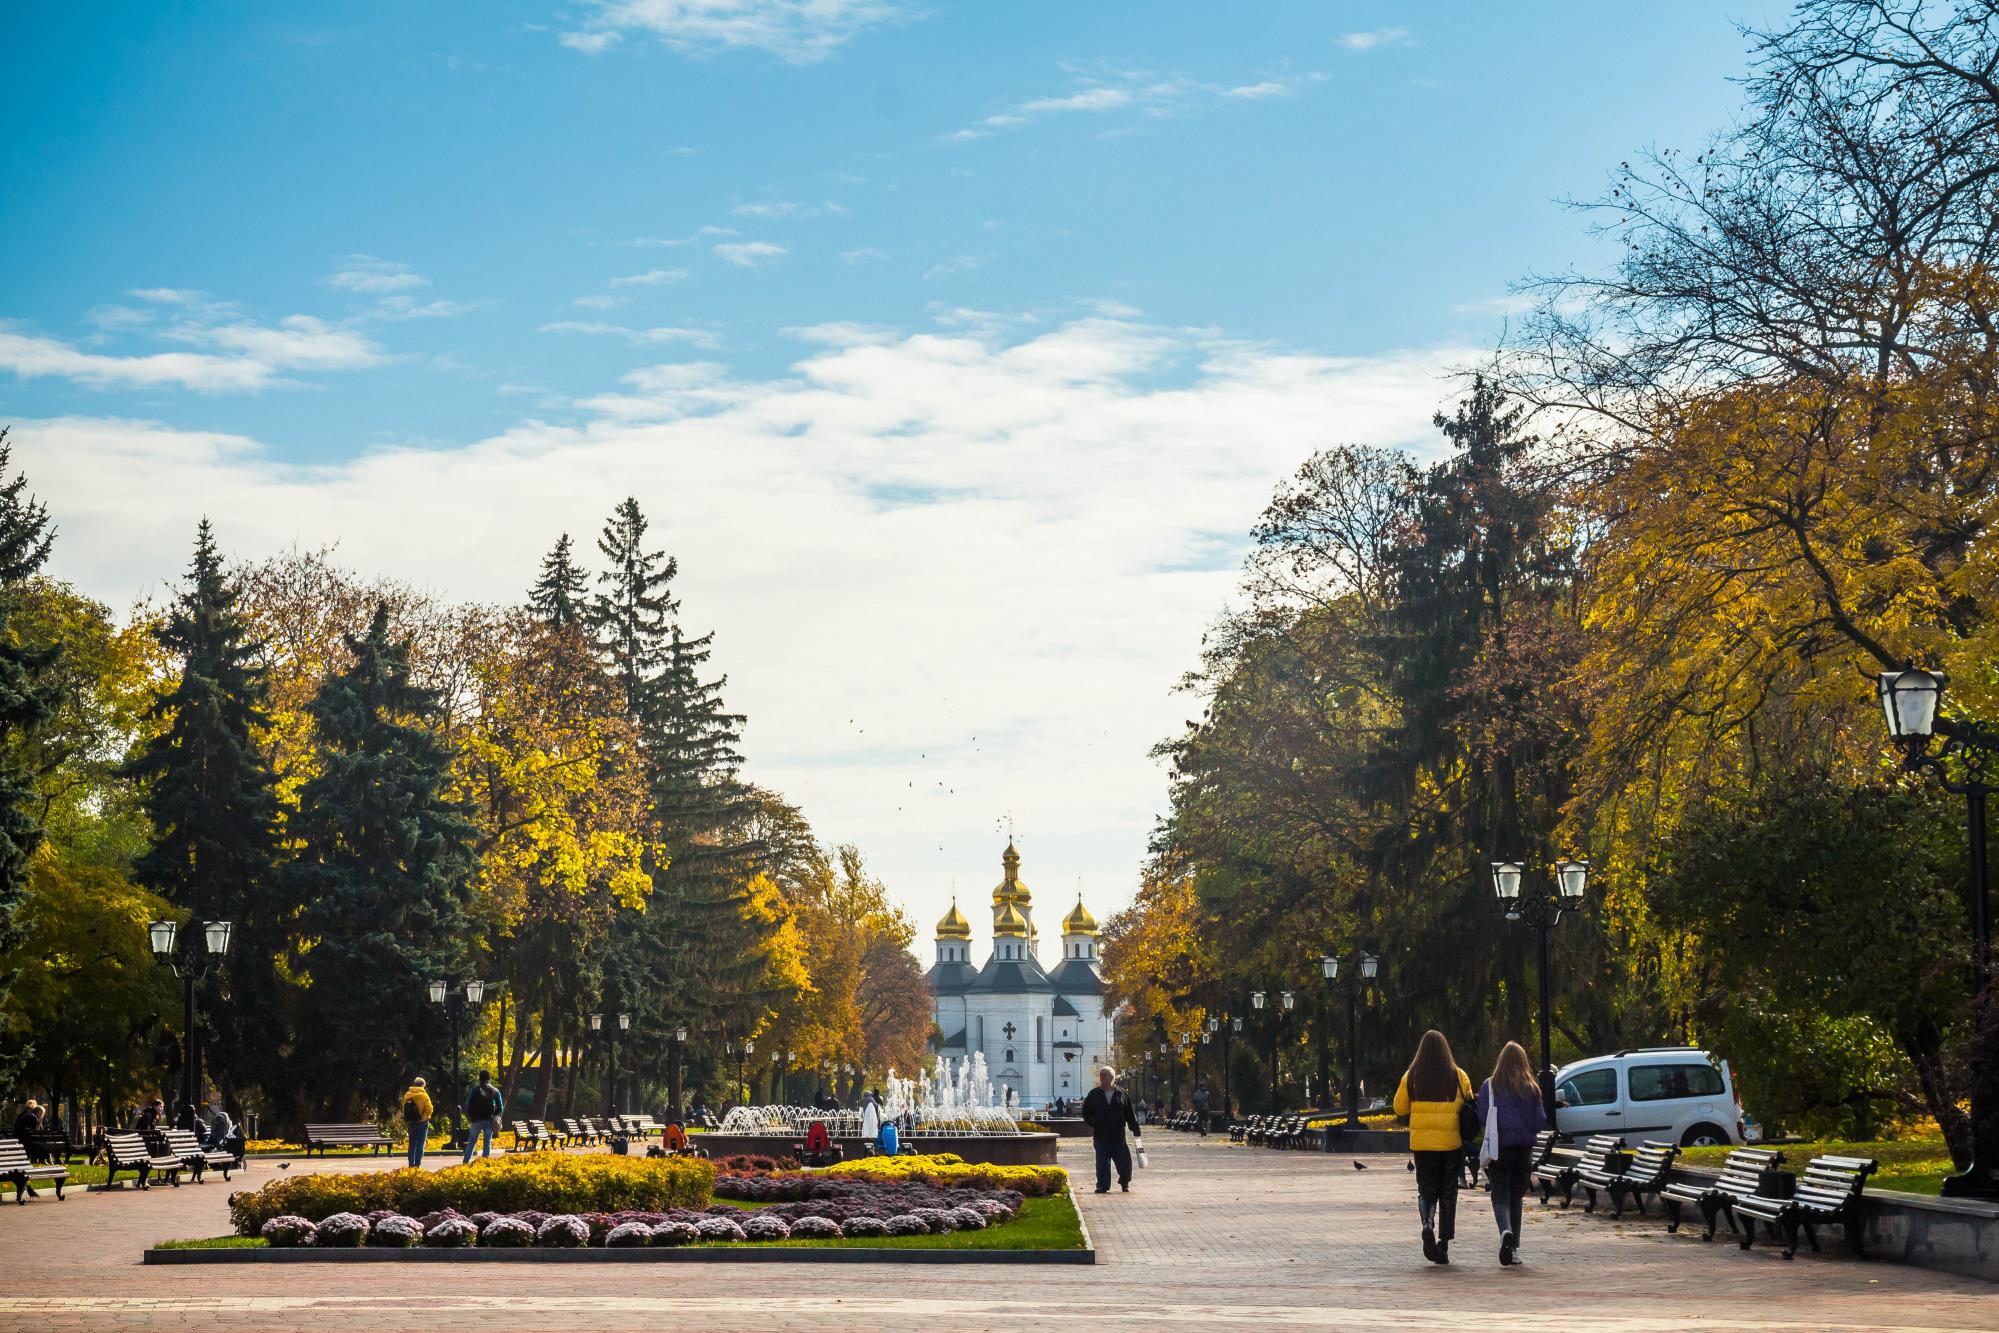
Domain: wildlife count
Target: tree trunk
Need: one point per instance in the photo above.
(1922, 1048)
(512, 1083)
(544, 1081)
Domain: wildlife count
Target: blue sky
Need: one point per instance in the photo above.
(952, 347)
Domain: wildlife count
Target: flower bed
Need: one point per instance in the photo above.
(948, 1170)
(846, 1209)
(556, 1184)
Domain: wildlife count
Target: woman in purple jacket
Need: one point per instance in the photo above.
(1521, 1117)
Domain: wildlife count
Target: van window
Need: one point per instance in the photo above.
(1591, 1088)
(1660, 1083)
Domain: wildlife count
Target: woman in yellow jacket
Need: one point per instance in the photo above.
(1428, 1099)
(416, 1119)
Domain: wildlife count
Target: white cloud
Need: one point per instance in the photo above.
(168, 295)
(843, 333)
(801, 31)
(658, 277)
(751, 254)
(1256, 92)
(864, 253)
(1378, 38)
(953, 266)
(599, 302)
(1140, 93)
(1028, 533)
(238, 355)
(364, 274)
(638, 337)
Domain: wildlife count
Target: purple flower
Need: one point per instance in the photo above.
(563, 1232)
(451, 1233)
(282, 1233)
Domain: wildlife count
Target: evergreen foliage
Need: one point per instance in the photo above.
(25, 539)
(383, 874)
(561, 595)
(209, 793)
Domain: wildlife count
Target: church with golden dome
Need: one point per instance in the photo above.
(1043, 1031)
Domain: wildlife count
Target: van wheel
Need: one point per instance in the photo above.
(1705, 1136)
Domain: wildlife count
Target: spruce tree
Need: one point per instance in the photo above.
(560, 595)
(25, 538)
(211, 798)
(689, 952)
(384, 872)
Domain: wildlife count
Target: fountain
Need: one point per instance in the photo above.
(954, 1107)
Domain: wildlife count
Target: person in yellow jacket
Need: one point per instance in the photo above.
(1429, 1097)
(416, 1119)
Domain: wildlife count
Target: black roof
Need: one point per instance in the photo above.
(956, 1041)
(950, 978)
(1075, 976)
(1063, 1009)
(1012, 976)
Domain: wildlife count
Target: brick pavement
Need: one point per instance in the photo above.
(1215, 1236)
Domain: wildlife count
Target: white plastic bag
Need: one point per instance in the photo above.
(1142, 1162)
(1488, 1151)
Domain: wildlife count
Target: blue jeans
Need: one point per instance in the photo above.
(419, 1135)
(489, 1128)
(1118, 1153)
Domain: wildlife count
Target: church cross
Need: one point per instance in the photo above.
(1008, 1029)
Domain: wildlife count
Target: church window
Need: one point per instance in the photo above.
(1009, 1055)
(1040, 1052)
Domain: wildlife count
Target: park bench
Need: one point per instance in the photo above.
(1827, 1192)
(1743, 1175)
(1646, 1174)
(327, 1136)
(127, 1151)
(580, 1133)
(525, 1139)
(183, 1144)
(599, 1127)
(49, 1146)
(644, 1126)
(1239, 1130)
(1286, 1132)
(548, 1134)
(1603, 1154)
(15, 1166)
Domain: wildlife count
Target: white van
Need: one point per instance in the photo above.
(1679, 1094)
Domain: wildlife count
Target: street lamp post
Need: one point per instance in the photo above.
(674, 1069)
(455, 1004)
(1360, 974)
(190, 953)
(616, 1039)
(1965, 765)
(1542, 909)
(1277, 1015)
(742, 1050)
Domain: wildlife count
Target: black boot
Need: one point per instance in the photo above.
(1430, 1245)
(1443, 1251)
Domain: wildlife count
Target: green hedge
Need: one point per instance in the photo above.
(550, 1182)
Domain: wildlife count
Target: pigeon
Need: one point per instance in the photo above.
(1408, 1166)
(284, 1166)
(1360, 1166)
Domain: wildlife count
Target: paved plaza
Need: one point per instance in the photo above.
(1214, 1236)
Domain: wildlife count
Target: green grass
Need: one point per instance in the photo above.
(1915, 1165)
(1043, 1224)
(214, 1243)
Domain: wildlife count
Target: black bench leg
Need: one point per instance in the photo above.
(59, 1185)
(1589, 1198)
(1791, 1230)
(1616, 1203)
(1672, 1216)
(1747, 1235)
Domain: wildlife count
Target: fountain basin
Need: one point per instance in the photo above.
(990, 1149)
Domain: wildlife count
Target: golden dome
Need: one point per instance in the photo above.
(1079, 922)
(1011, 889)
(1010, 922)
(954, 926)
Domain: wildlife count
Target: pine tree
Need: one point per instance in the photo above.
(25, 538)
(560, 595)
(384, 871)
(211, 798)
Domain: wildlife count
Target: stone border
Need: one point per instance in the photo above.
(673, 1254)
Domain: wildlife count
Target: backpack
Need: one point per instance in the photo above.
(479, 1106)
(412, 1113)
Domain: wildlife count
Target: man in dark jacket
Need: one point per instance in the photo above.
(1107, 1111)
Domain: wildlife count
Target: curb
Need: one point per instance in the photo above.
(690, 1254)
